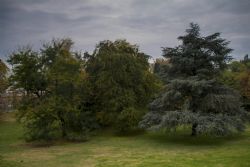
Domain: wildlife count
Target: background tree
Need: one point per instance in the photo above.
(3, 76)
(3, 82)
(237, 76)
(121, 82)
(192, 96)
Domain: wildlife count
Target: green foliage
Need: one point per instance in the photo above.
(27, 72)
(3, 76)
(120, 78)
(40, 122)
(65, 95)
(192, 95)
(128, 119)
(3, 84)
(56, 108)
(237, 76)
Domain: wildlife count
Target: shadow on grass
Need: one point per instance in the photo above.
(183, 138)
(39, 144)
(49, 143)
(131, 133)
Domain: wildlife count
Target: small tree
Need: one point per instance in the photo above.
(192, 95)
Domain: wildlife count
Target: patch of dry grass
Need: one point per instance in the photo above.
(7, 117)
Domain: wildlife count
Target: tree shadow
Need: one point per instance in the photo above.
(131, 133)
(185, 139)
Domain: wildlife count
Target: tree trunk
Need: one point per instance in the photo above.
(63, 124)
(63, 128)
(194, 131)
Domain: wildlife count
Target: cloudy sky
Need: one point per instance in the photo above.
(151, 24)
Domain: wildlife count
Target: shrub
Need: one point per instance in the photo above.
(128, 119)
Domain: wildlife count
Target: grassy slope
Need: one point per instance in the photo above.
(145, 150)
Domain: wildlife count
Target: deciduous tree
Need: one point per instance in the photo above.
(119, 74)
(56, 92)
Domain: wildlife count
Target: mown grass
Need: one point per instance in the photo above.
(109, 150)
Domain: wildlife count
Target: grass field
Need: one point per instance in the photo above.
(109, 150)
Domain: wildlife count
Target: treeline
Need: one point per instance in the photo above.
(69, 94)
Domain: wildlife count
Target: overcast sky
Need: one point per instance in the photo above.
(151, 24)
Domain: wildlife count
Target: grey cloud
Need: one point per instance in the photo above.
(149, 23)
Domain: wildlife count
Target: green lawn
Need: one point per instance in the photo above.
(107, 149)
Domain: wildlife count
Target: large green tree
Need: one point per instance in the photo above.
(121, 83)
(192, 96)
